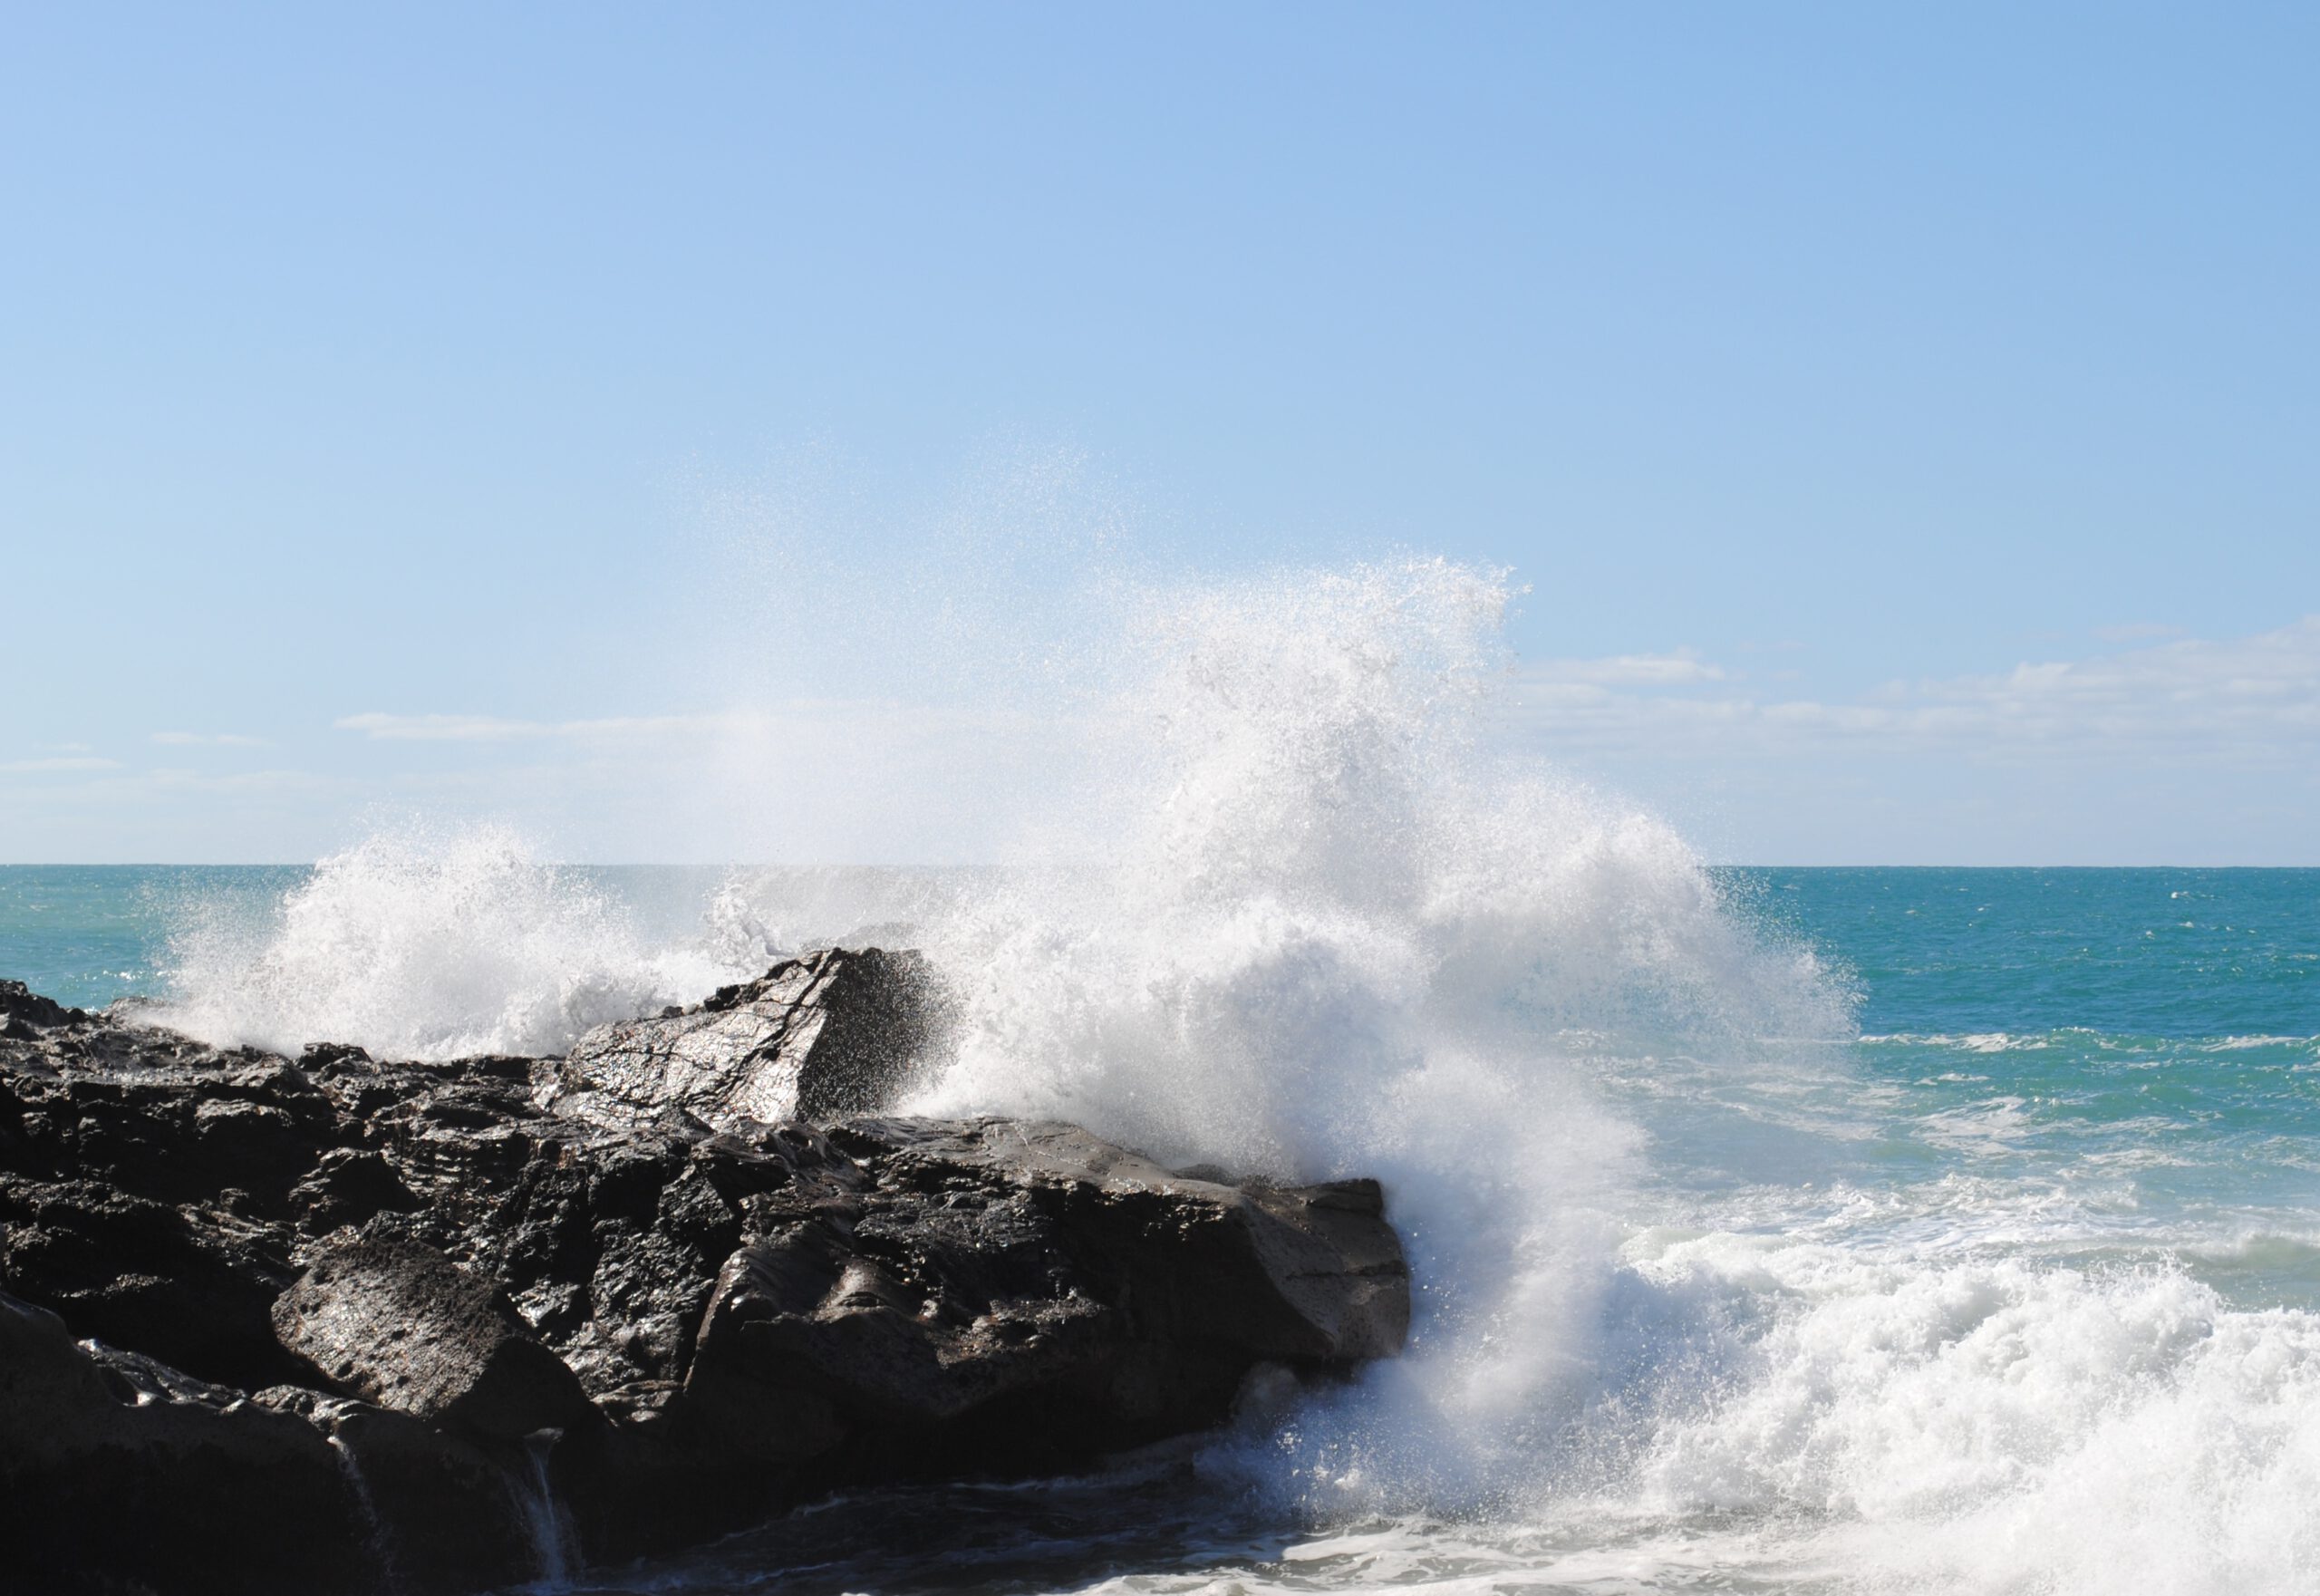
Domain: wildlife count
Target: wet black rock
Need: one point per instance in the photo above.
(116, 1471)
(831, 1033)
(1023, 1296)
(23, 1012)
(503, 1315)
(396, 1322)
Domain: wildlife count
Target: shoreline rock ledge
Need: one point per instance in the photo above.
(335, 1324)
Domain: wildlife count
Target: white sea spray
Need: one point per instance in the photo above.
(424, 944)
(1292, 912)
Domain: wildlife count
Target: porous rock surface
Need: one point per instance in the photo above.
(831, 1033)
(399, 1324)
(350, 1325)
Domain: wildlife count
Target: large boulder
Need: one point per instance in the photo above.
(117, 1471)
(986, 1294)
(188, 1283)
(834, 1032)
(24, 1014)
(398, 1323)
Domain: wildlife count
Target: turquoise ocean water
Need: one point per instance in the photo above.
(2118, 1061)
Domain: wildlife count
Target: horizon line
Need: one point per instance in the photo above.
(992, 864)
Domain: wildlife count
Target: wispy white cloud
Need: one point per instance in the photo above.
(384, 728)
(886, 715)
(110, 781)
(63, 762)
(694, 740)
(1669, 670)
(173, 778)
(206, 739)
(2252, 698)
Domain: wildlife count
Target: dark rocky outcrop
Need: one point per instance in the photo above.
(356, 1323)
(831, 1033)
(1020, 1296)
(400, 1324)
(22, 1009)
(119, 1469)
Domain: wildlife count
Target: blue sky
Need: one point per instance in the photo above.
(1904, 419)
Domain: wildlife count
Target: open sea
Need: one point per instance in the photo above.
(1776, 1230)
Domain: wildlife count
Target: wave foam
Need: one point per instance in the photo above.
(419, 946)
(2000, 1426)
(1322, 932)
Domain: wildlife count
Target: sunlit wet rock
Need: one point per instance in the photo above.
(834, 1032)
(503, 1315)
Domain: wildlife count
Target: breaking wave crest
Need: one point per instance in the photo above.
(1331, 934)
(1321, 929)
(1992, 1425)
(417, 946)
